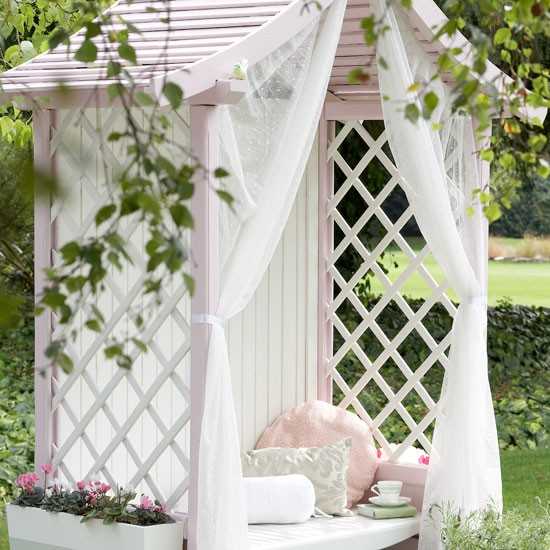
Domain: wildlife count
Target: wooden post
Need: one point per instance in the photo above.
(205, 258)
(42, 124)
(325, 236)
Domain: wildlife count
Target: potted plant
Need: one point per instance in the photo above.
(86, 517)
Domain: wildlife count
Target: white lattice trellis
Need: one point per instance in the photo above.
(127, 426)
(354, 338)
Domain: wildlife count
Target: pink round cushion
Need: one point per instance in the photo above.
(316, 424)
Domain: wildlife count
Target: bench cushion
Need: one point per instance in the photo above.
(352, 533)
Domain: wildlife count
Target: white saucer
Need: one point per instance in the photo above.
(379, 501)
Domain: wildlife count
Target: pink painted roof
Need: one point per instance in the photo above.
(205, 38)
(197, 29)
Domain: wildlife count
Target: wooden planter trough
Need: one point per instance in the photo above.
(35, 529)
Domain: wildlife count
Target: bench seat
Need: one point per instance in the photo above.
(353, 533)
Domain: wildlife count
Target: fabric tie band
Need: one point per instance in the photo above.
(207, 319)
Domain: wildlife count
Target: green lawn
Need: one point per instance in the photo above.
(522, 283)
(525, 476)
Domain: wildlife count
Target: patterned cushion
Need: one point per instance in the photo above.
(317, 423)
(326, 467)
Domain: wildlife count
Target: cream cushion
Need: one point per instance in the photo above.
(317, 423)
(326, 467)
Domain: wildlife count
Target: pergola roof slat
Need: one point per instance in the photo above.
(198, 41)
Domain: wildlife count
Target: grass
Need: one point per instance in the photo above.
(525, 476)
(520, 282)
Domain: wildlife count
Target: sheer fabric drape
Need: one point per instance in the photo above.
(440, 171)
(265, 143)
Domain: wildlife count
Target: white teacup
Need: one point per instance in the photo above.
(388, 491)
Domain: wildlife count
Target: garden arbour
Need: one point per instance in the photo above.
(167, 421)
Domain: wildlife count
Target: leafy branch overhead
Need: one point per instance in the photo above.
(513, 35)
(153, 190)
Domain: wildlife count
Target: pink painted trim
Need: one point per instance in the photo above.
(43, 121)
(205, 259)
(325, 238)
(413, 477)
(366, 109)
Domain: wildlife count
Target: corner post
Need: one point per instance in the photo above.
(43, 121)
(206, 272)
(325, 283)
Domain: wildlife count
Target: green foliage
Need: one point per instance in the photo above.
(530, 213)
(16, 232)
(514, 36)
(487, 530)
(519, 368)
(151, 190)
(16, 405)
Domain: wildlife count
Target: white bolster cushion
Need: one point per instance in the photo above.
(279, 499)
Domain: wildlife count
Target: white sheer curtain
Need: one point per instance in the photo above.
(266, 140)
(439, 169)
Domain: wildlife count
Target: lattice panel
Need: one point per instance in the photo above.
(371, 372)
(127, 427)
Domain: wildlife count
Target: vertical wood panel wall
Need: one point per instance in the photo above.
(273, 342)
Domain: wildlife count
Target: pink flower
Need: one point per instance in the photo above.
(47, 469)
(424, 460)
(81, 485)
(379, 453)
(104, 488)
(27, 481)
(145, 503)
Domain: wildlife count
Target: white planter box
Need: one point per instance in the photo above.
(35, 529)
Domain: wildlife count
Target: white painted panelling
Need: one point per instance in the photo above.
(273, 342)
(133, 440)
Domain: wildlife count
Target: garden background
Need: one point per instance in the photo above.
(519, 315)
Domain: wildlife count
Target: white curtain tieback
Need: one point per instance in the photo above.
(207, 319)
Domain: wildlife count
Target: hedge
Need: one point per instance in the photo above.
(519, 369)
(16, 405)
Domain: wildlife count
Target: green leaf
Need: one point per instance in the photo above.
(225, 196)
(114, 68)
(182, 216)
(56, 38)
(105, 213)
(174, 94)
(487, 155)
(113, 351)
(140, 345)
(65, 362)
(431, 101)
(412, 112)
(70, 252)
(144, 99)
(93, 324)
(189, 283)
(221, 173)
(87, 53)
(502, 35)
(127, 52)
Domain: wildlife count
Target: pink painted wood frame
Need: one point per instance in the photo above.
(366, 109)
(205, 259)
(43, 122)
(326, 242)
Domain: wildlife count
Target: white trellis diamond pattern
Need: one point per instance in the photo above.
(368, 257)
(127, 426)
